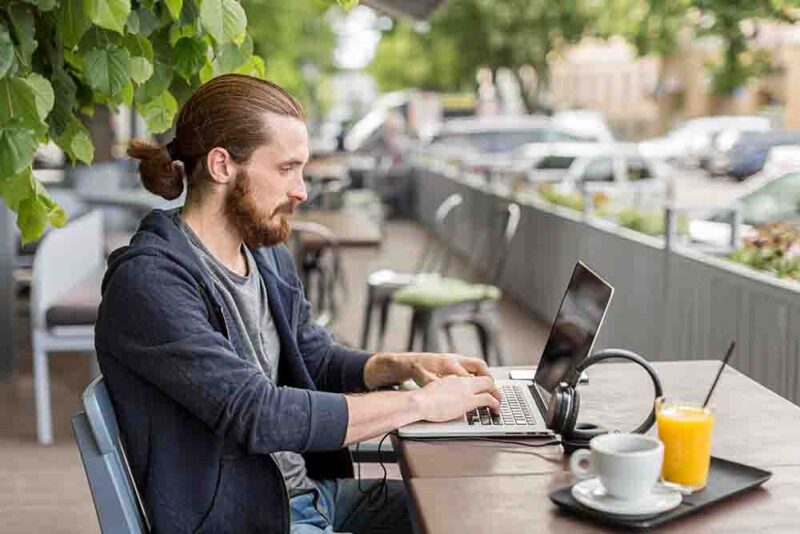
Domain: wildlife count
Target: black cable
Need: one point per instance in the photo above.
(381, 491)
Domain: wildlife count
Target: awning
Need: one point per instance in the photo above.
(416, 9)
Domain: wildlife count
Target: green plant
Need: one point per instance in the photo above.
(61, 58)
(774, 248)
(573, 201)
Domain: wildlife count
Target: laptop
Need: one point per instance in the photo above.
(524, 403)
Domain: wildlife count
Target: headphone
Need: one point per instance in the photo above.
(565, 402)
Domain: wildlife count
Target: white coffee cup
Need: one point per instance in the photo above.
(628, 465)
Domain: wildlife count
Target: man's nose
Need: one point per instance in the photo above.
(298, 190)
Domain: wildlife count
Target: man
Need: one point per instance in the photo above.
(235, 406)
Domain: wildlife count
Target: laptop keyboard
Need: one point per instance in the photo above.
(513, 409)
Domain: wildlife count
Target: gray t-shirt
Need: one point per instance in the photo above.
(246, 298)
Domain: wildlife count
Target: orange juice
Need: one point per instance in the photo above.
(685, 430)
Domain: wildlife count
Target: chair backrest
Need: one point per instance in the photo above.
(434, 256)
(64, 258)
(117, 501)
(509, 230)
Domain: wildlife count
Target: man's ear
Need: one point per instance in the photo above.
(221, 167)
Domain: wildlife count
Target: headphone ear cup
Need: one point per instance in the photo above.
(571, 417)
(555, 410)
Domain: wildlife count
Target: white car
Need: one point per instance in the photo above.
(767, 199)
(687, 143)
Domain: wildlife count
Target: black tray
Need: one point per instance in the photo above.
(725, 479)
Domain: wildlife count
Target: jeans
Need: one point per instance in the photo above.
(337, 506)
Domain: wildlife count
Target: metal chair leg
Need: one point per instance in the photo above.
(448, 332)
(386, 304)
(430, 332)
(367, 322)
(412, 331)
(41, 390)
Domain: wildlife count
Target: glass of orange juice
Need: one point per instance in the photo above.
(685, 429)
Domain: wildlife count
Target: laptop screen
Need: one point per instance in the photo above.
(574, 329)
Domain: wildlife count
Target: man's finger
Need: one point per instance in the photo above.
(475, 366)
(483, 384)
(486, 399)
(453, 367)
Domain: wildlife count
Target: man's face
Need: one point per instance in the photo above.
(270, 186)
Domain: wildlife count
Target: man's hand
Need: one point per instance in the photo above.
(453, 396)
(426, 367)
(423, 367)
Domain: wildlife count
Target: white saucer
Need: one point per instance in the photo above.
(592, 494)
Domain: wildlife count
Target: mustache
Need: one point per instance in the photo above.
(286, 208)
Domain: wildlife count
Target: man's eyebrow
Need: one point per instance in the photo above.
(293, 161)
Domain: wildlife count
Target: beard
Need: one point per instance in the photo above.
(257, 227)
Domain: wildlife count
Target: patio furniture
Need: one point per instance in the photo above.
(439, 304)
(383, 283)
(320, 270)
(117, 502)
(65, 293)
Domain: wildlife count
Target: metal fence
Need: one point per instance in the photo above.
(669, 304)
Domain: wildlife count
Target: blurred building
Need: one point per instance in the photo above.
(645, 96)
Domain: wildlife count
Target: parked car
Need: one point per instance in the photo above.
(768, 199)
(585, 122)
(749, 154)
(716, 158)
(623, 175)
(686, 144)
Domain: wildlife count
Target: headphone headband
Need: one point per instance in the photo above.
(623, 354)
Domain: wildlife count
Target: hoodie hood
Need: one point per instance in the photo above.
(159, 235)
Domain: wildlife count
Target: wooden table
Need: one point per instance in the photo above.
(465, 487)
(352, 229)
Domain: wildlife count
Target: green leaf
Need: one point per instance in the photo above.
(43, 5)
(229, 57)
(75, 141)
(159, 112)
(14, 189)
(126, 95)
(6, 50)
(177, 32)
(107, 69)
(137, 45)
(174, 7)
(157, 84)
(18, 101)
(65, 88)
(148, 22)
(190, 55)
(43, 94)
(254, 67)
(141, 70)
(17, 146)
(31, 219)
(132, 24)
(225, 20)
(73, 21)
(109, 14)
(207, 72)
(81, 146)
(22, 22)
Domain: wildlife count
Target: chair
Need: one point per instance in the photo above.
(439, 304)
(65, 293)
(324, 264)
(382, 284)
(117, 502)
